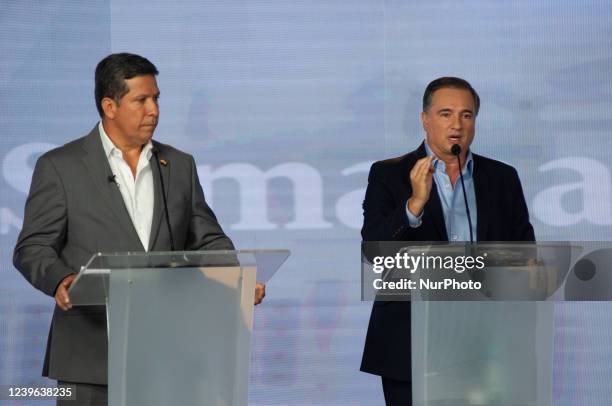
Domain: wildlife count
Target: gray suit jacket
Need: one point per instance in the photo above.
(73, 211)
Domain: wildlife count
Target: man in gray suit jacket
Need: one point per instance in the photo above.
(103, 193)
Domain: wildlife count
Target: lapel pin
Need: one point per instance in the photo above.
(163, 162)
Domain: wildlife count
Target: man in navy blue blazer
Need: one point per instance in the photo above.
(416, 197)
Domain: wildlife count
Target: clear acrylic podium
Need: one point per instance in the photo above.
(179, 323)
(493, 349)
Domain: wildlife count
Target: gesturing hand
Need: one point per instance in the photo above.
(421, 179)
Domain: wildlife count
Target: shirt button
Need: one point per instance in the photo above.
(454, 237)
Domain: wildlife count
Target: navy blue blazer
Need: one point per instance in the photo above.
(502, 215)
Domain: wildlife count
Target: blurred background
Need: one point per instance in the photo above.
(284, 105)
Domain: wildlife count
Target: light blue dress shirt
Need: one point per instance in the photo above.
(453, 206)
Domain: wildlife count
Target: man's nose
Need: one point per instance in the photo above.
(456, 123)
(153, 108)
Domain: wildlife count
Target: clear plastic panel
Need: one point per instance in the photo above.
(482, 353)
(180, 336)
(91, 284)
(179, 323)
(487, 352)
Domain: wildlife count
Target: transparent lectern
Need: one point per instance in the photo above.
(179, 323)
(494, 346)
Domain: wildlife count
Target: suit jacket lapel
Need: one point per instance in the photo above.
(483, 199)
(158, 202)
(99, 170)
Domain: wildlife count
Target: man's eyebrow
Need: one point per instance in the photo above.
(449, 110)
(139, 95)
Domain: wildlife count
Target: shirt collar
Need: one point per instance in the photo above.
(110, 148)
(437, 162)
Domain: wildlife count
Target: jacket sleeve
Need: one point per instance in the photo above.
(204, 232)
(39, 245)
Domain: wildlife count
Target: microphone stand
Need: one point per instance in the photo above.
(456, 150)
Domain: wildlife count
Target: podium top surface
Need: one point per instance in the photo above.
(90, 287)
(266, 261)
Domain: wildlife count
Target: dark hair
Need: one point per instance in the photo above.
(445, 82)
(112, 72)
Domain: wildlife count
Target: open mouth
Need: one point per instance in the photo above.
(455, 139)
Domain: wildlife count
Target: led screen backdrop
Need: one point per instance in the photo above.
(284, 106)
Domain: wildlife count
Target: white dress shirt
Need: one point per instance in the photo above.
(137, 191)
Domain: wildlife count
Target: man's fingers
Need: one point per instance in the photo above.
(422, 168)
(425, 172)
(428, 167)
(62, 299)
(416, 173)
(68, 280)
(421, 181)
(260, 292)
(61, 295)
(421, 164)
(65, 298)
(421, 174)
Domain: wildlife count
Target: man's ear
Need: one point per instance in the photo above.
(425, 121)
(109, 107)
